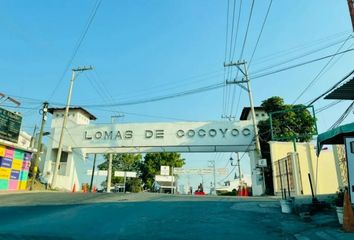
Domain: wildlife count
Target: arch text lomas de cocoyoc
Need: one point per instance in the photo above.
(160, 133)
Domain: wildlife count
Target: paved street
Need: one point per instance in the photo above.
(153, 216)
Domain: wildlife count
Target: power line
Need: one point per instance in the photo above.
(300, 56)
(184, 93)
(300, 64)
(229, 72)
(237, 29)
(233, 54)
(321, 71)
(141, 114)
(246, 34)
(332, 104)
(260, 33)
(78, 45)
(333, 87)
(302, 46)
(343, 116)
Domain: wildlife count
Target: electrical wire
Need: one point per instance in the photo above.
(233, 54)
(229, 70)
(299, 64)
(332, 104)
(332, 88)
(247, 29)
(78, 45)
(302, 55)
(159, 98)
(318, 75)
(300, 47)
(343, 116)
(260, 33)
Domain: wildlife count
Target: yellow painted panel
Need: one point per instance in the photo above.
(5, 173)
(22, 185)
(2, 151)
(16, 164)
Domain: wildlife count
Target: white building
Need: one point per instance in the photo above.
(70, 172)
(260, 113)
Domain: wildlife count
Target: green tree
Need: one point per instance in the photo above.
(124, 162)
(152, 163)
(292, 122)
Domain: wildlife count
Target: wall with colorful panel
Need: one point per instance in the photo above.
(14, 167)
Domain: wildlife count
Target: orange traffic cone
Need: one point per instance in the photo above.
(74, 188)
(239, 192)
(243, 192)
(94, 189)
(246, 192)
(348, 218)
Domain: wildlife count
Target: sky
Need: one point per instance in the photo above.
(145, 49)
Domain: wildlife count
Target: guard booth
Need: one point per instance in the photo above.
(341, 135)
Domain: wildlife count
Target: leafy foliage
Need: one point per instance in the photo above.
(152, 163)
(289, 122)
(124, 162)
(294, 122)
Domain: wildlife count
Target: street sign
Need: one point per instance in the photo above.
(160, 178)
(125, 174)
(97, 173)
(165, 170)
(116, 173)
(10, 125)
(200, 171)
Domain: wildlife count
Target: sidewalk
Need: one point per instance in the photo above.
(324, 226)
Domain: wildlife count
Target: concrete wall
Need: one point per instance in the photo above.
(322, 170)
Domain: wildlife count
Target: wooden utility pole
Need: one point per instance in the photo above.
(246, 81)
(39, 144)
(60, 144)
(93, 171)
(351, 11)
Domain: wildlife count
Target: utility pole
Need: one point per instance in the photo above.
(33, 136)
(351, 11)
(214, 175)
(246, 81)
(93, 171)
(60, 145)
(172, 179)
(39, 144)
(110, 159)
(238, 165)
(109, 172)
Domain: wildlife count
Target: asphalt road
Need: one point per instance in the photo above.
(144, 216)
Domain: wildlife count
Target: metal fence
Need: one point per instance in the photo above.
(284, 176)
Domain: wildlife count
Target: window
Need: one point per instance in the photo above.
(63, 162)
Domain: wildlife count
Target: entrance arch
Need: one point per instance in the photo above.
(83, 139)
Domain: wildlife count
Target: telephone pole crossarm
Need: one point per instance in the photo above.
(239, 83)
(81, 69)
(236, 64)
(246, 80)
